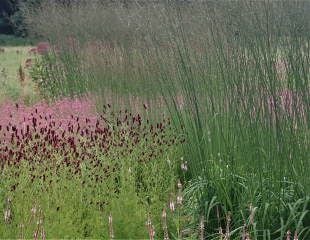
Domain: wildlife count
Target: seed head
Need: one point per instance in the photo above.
(7, 215)
(171, 205)
(288, 235)
(184, 166)
(179, 199)
(179, 185)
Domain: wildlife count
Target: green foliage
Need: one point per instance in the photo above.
(76, 206)
(39, 73)
(129, 214)
(12, 18)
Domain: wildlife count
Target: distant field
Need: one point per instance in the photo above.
(11, 59)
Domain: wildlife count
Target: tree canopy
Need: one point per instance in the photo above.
(11, 18)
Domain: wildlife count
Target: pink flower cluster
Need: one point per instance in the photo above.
(41, 48)
(61, 113)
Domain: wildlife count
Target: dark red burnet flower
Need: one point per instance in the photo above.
(73, 130)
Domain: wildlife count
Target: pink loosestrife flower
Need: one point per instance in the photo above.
(63, 113)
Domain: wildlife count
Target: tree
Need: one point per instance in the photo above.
(11, 17)
(7, 8)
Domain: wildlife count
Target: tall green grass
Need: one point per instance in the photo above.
(246, 118)
(234, 77)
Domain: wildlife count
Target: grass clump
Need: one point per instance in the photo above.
(246, 118)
